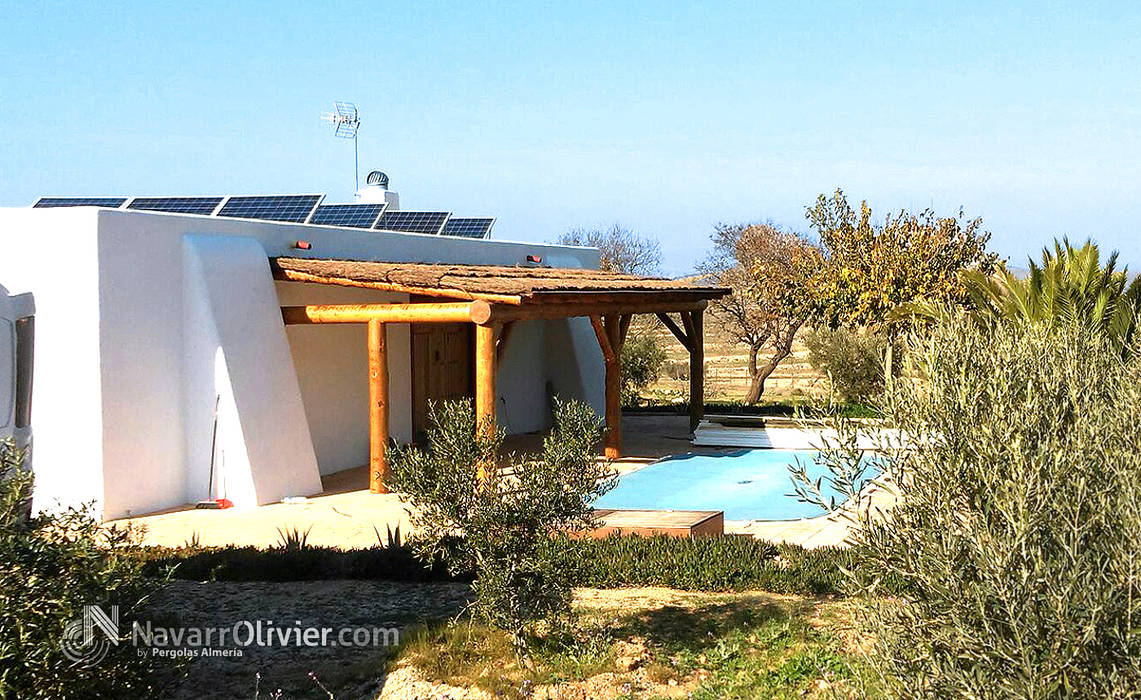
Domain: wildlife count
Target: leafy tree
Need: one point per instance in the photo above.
(1015, 455)
(768, 271)
(642, 360)
(873, 269)
(509, 526)
(622, 250)
(51, 565)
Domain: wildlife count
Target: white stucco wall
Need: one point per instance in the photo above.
(145, 319)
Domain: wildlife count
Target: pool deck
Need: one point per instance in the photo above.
(345, 514)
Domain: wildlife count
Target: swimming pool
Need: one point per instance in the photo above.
(746, 484)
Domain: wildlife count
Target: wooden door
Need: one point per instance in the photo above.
(441, 368)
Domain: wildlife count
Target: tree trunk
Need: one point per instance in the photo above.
(756, 386)
(781, 349)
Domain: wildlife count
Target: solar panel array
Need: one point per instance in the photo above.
(111, 202)
(178, 205)
(475, 227)
(350, 215)
(412, 221)
(293, 208)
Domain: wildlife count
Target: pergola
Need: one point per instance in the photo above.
(494, 298)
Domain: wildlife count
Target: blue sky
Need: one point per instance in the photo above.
(665, 118)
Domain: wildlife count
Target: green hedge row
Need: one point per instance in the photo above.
(708, 564)
(394, 563)
(711, 564)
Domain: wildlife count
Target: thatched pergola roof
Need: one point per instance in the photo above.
(498, 283)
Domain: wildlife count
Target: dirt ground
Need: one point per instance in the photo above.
(368, 672)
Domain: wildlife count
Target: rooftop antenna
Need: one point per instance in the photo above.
(346, 123)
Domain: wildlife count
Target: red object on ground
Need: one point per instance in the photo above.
(303, 245)
(534, 258)
(216, 504)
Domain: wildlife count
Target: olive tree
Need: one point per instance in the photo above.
(52, 564)
(1014, 537)
(505, 520)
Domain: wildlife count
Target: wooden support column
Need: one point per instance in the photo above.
(695, 326)
(377, 406)
(485, 377)
(610, 332)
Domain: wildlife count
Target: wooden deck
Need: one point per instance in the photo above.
(675, 523)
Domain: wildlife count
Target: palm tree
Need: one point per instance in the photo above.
(1071, 285)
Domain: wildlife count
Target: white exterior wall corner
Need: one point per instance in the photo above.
(51, 253)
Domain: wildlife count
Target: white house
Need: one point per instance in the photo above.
(164, 373)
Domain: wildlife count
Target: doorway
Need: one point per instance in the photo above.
(442, 356)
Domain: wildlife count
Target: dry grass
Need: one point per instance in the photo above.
(647, 643)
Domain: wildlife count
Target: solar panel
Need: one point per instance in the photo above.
(468, 227)
(179, 205)
(412, 221)
(295, 208)
(351, 215)
(111, 202)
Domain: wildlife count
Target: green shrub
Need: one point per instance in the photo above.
(1016, 537)
(51, 566)
(706, 564)
(711, 564)
(642, 360)
(853, 361)
(513, 520)
(280, 564)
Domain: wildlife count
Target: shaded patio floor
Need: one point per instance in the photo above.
(346, 515)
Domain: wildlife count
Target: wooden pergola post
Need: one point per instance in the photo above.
(377, 406)
(696, 370)
(485, 378)
(611, 333)
(693, 339)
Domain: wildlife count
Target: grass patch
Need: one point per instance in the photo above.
(697, 645)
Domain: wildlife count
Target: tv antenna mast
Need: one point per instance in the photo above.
(346, 123)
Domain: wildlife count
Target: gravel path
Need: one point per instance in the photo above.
(350, 672)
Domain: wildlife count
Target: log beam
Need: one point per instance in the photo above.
(502, 313)
(377, 407)
(452, 312)
(501, 341)
(676, 330)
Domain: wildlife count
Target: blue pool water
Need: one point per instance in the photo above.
(747, 485)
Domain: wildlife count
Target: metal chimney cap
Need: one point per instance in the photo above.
(378, 178)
